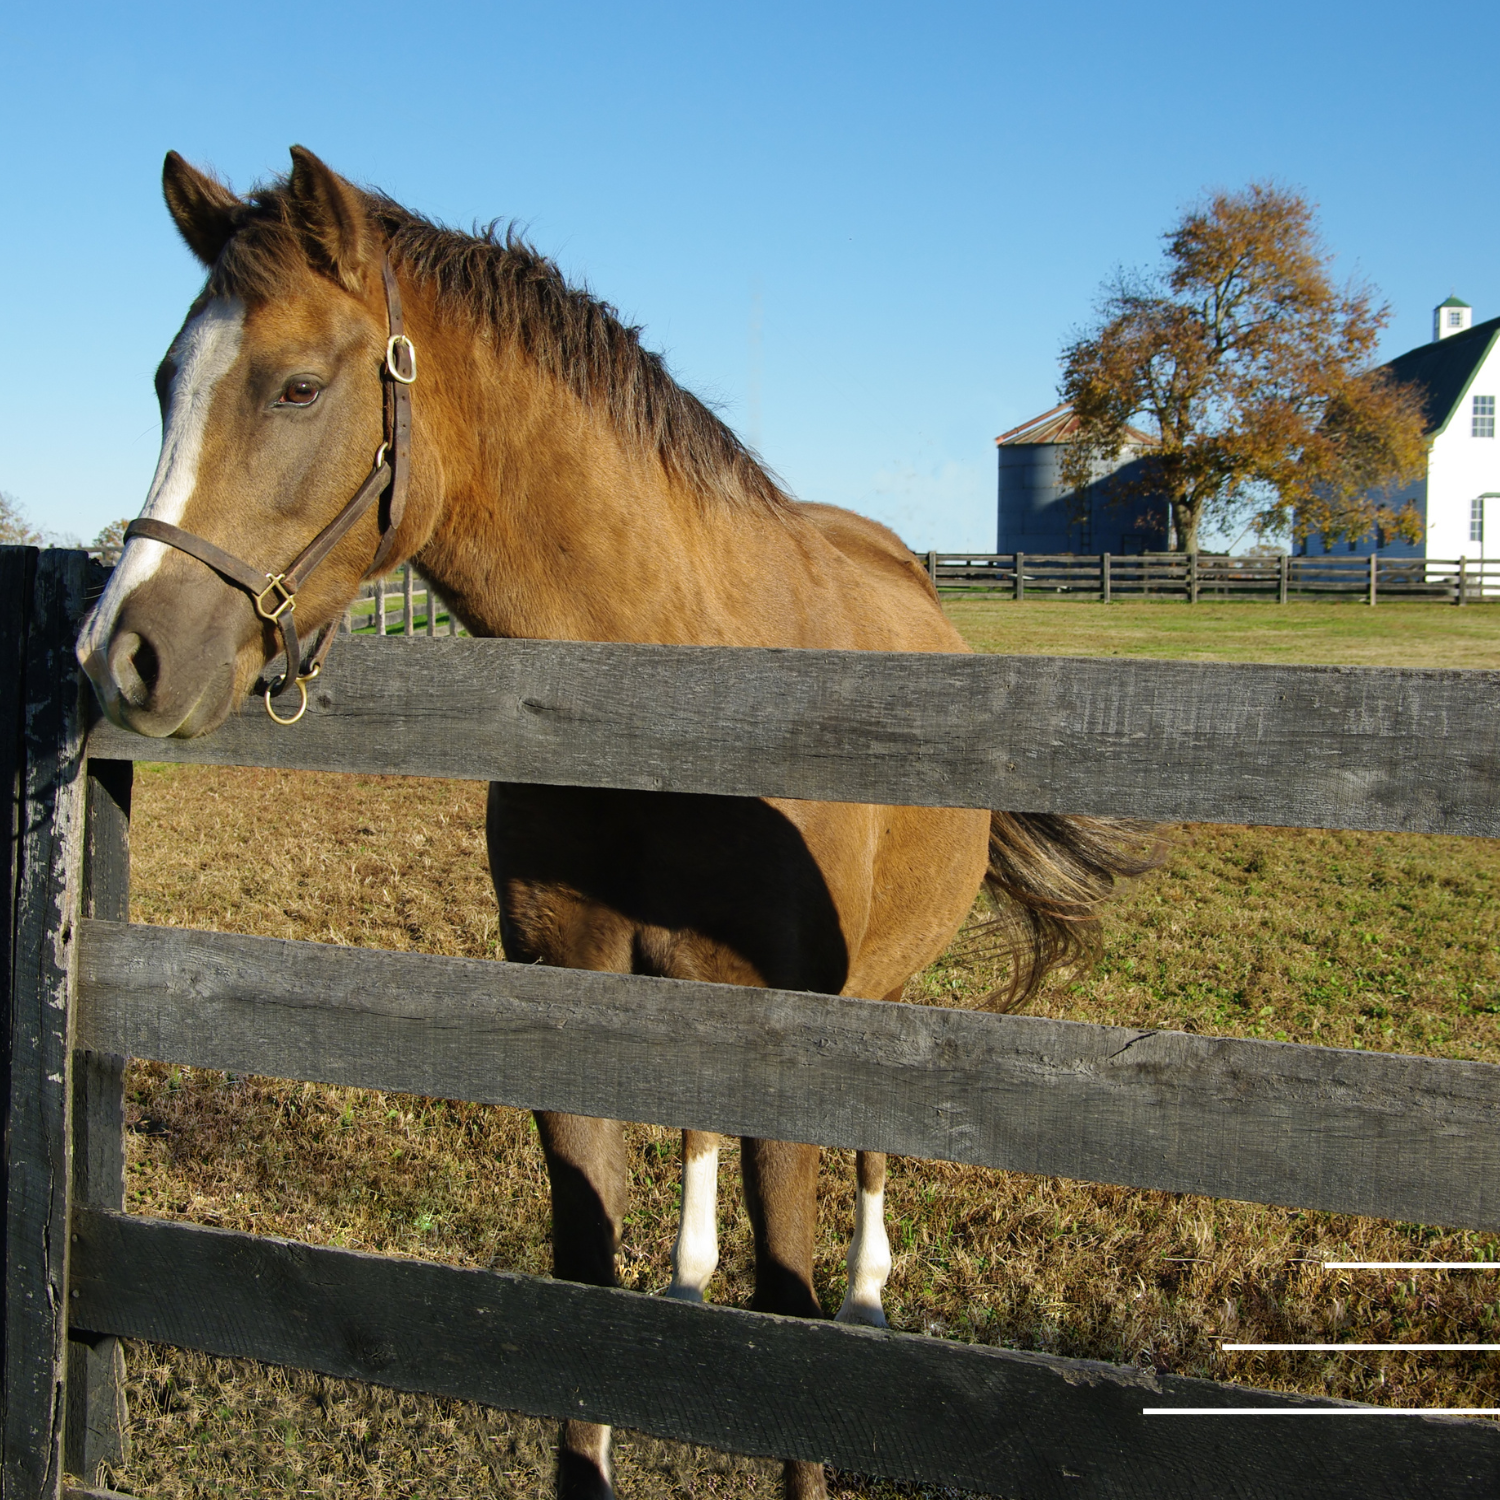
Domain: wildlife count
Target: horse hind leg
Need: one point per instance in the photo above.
(781, 1195)
(587, 1167)
(583, 1470)
(695, 1256)
(869, 1259)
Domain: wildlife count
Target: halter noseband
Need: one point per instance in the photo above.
(275, 594)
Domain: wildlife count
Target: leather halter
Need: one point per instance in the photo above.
(275, 594)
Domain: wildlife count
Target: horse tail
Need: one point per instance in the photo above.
(1048, 875)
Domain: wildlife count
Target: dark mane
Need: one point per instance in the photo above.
(570, 335)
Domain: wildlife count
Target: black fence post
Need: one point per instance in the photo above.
(96, 1426)
(42, 724)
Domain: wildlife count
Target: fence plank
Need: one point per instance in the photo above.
(1374, 748)
(97, 1427)
(47, 888)
(878, 1402)
(1306, 1127)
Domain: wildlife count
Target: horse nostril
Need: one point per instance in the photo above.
(136, 668)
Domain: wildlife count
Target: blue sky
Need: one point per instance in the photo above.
(864, 231)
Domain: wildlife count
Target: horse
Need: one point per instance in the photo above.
(551, 479)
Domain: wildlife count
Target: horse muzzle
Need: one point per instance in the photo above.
(163, 681)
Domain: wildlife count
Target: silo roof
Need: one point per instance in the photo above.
(1060, 425)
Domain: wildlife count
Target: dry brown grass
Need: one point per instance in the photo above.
(390, 863)
(1378, 941)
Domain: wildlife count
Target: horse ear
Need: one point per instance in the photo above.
(201, 206)
(331, 214)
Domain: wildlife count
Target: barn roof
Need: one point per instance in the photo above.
(1061, 426)
(1444, 369)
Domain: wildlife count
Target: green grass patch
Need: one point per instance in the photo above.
(1396, 635)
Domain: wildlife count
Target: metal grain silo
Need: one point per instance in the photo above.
(1038, 513)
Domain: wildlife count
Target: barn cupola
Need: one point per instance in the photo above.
(1452, 316)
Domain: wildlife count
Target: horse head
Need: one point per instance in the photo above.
(272, 412)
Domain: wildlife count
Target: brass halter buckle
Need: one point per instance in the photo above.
(287, 602)
(302, 683)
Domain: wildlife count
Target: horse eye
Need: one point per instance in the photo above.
(299, 393)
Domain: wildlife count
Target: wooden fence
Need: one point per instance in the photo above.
(403, 603)
(1195, 576)
(1295, 1125)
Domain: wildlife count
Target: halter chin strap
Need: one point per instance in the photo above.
(275, 594)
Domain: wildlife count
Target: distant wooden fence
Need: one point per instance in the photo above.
(1195, 576)
(1357, 1132)
(403, 603)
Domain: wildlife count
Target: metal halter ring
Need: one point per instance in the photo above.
(392, 367)
(302, 683)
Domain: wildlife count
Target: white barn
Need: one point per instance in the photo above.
(1459, 497)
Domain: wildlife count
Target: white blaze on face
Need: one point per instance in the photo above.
(696, 1253)
(869, 1262)
(203, 353)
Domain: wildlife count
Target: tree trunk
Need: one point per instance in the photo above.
(1186, 515)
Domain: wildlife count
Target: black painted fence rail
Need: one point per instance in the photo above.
(1330, 747)
(1202, 575)
(888, 1403)
(1307, 1127)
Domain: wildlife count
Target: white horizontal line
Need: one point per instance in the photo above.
(1479, 1347)
(1411, 1265)
(1320, 1411)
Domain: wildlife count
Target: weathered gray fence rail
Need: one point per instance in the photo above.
(1194, 576)
(1321, 1128)
(1309, 1127)
(1334, 747)
(889, 1403)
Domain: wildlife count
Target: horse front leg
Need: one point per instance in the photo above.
(586, 1165)
(869, 1259)
(695, 1256)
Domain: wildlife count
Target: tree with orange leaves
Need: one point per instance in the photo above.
(1255, 371)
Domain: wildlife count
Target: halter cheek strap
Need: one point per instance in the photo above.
(274, 595)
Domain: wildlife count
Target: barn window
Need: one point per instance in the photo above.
(1476, 517)
(1455, 318)
(1484, 416)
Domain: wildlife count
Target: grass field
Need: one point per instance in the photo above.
(1362, 940)
(1346, 634)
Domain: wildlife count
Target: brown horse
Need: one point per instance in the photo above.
(561, 485)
